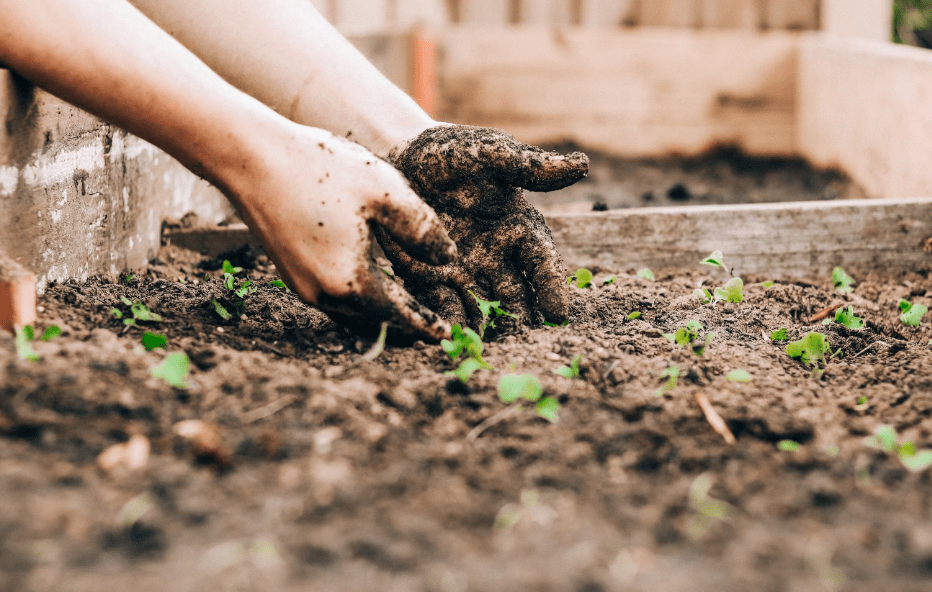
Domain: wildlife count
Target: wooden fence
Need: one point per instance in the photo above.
(369, 16)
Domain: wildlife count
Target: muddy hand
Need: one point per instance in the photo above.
(473, 177)
(313, 210)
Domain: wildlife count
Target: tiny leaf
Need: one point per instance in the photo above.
(716, 259)
(739, 376)
(647, 274)
(779, 335)
(704, 295)
(228, 268)
(788, 446)
(512, 387)
(24, 337)
(919, 461)
(220, 310)
(583, 278)
(842, 281)
(467, 369)
(733, 291)
(173, 370)
(609, 281)
(548, 408)
(912, 313)
(811, 349)
(151, 341)
(51, 333)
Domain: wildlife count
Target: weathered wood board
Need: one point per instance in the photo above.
(785, 240)
(642, 92)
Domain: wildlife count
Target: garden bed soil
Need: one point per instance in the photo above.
(313, 469)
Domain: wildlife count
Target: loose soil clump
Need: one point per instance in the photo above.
(289, 463)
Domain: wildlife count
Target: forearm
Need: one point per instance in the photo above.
(286, 55)
(106, 57)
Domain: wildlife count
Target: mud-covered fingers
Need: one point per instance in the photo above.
(413, 224)
(511, 290)
(545, 270)
(538, 170)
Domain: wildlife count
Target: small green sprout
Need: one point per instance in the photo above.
(671, 374)
(767, 284)
(549, 409)
(128, 278)
(152, 341)
(464, 340)
(845, 316)
(173, 370)
(582, 277)
(467, 368)
(279, 284)
(688, 336)
(911, 313)
(811, 349)
(571, 371)
(704, 295)
(51, 333)
(779, 335)
(609, 281)
(739, 376)
(24, 337)
(885, 438)
(733, 291)
(221, 310)
(862, 400)
(789, 446)
(708, 509)
(487, 308)
(646, 274)
(842, 281)
(716, 259)
(139, 311)
(634, 316)
(228, 268)
(512, 387)
(563, 324)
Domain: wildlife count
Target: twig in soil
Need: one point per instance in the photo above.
(715, 420)
(825, 312)
(267, 410)
(869, 347)
(378, 347)
(496, 419)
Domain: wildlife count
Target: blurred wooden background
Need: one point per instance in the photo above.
(370, 16)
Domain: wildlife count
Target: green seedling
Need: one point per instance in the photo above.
(842, 281)
(279, 284)
(634, 316)
(812, 349)
(228, 268)
(789, 446)
(609, 281)
(379, 346)
(51, 333)
(733, 291)
(911, 313)
(221, 310)
(516, 387)
(140, 312)
(704, 295)
(708, 509)
(671, 374)
(128, 279)
(24, 337)
(582, 277)
(571, 371)
(646, 274)
(152, 341)
(885, 438)
(563, 324)
(486, 308)
(173, 370)
(689, 335)
(467, 368)
(739, 376)
(767, 284)
(464, 341)
(779, 335)
(716, 259)
(845, 316)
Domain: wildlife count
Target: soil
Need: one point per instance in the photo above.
(291, 463)
(724, 175)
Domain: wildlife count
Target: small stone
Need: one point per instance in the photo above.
(129, 456)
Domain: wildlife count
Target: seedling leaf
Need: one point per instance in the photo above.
(634, 316)
(571, 371)
(220, 310)
(845, 316)
(647, 274)
(228, 268)
(512, 387)
(151, 341)
(582, 277)
(671, 374)
(716, 259)
(548, 408)
(704, 295)
(811, 349)
(467, 368)
(279, 284)
(918, 461)
(912, 313)
(609, 281)
(464, 340)
(842, 281)
(24, 337)
(116, 312)
(733, 291)
(767, 284)
(779, 335)
(51, 333)
(563, 324)
(487, 308)
(739, 376)
(173, 370)
(884, 438)
(788, 446)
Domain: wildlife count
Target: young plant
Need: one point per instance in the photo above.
(229, 269)
(152, 341)
(563, 324)
(515, 387)
(646, 274)
(733, 291)
(779, 335)
(140, 312)
(842, 281)
(716, 259)
(812, 350)
(582, 277)
(845, 316)
(704, 295)
(789, 446)
(739, 376)
(486, 308)
(885, 438)
(911, 314)
(689, 335)
(571, 371)
(609, 281)
(671, 374)
(708, 509)
(280, 284)
(24, 337)
(465, 341)
(634, 316)
(173, 370)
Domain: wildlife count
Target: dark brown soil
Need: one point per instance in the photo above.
(722, 176)
(315, 470)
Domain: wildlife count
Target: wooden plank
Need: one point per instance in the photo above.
(360, 17)
(782, 240)
(546, 12)
(407, 15)
(790, 240)
(485, 12)
(864, 19)
(730, 14)
(609, 13)
(794, 15)
(864, 107)
(669, 13)
(649, 92)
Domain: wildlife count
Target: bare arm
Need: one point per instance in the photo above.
(288, 56)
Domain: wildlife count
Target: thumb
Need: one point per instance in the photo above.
(414, 225)
(536, 169)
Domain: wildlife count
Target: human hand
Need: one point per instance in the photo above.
(312, 203)
(473, 178)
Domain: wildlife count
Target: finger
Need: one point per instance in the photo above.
(513, 294)
(536, 169)
(414, 225)
(546, 273)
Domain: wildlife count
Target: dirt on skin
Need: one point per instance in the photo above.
(308, 468)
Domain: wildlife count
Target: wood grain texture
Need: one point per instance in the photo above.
(791, 240)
